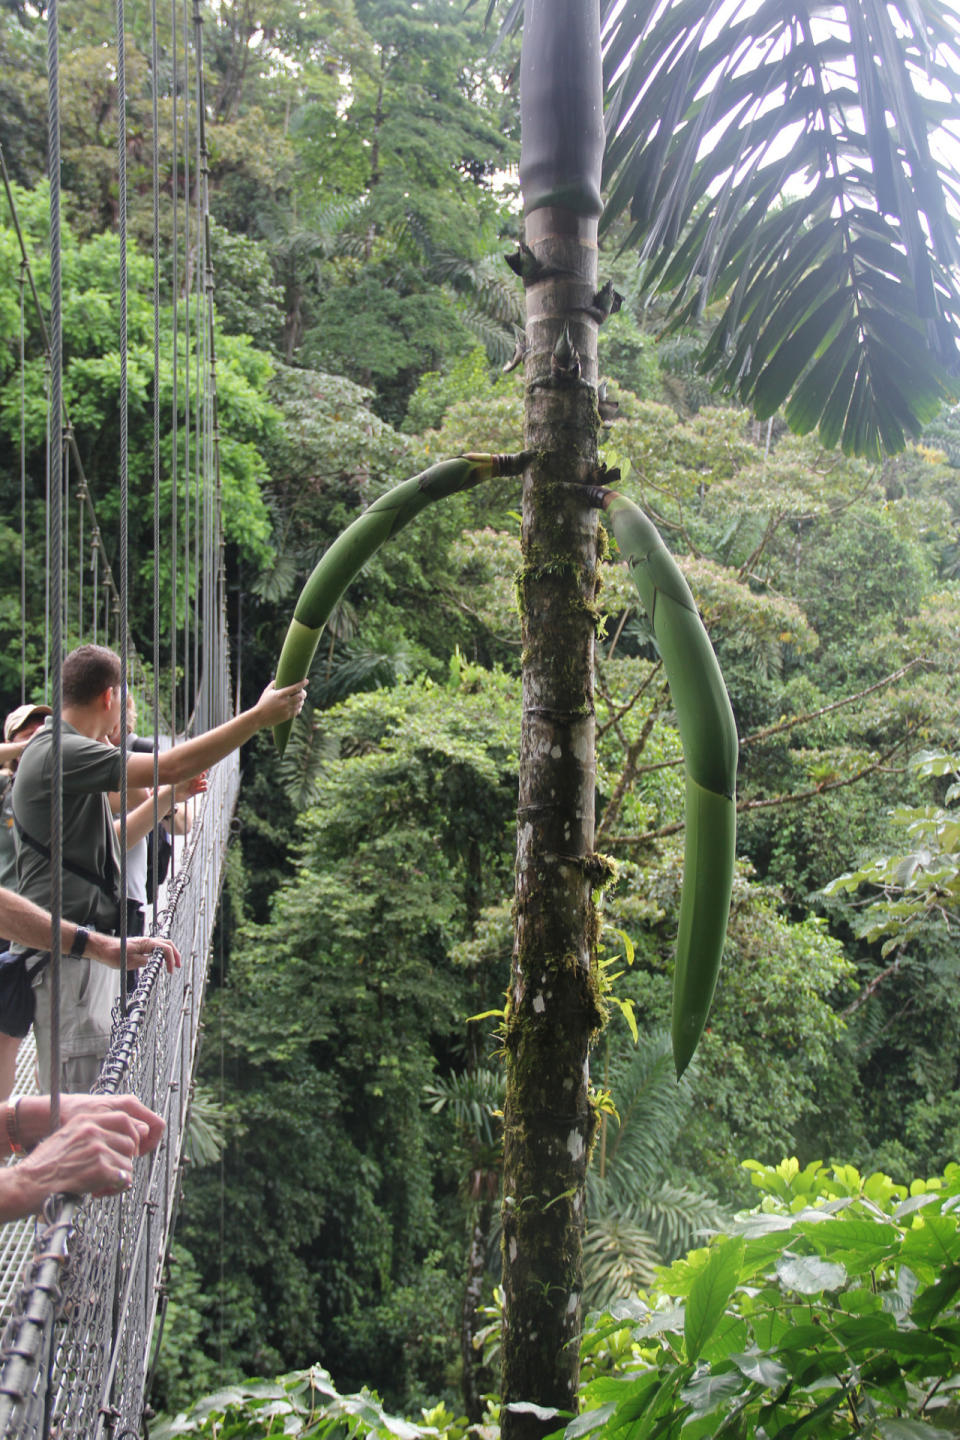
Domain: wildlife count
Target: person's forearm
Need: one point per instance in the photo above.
(29, 925)
(19, 1195)
(140, 820)
(135, 796)
(189, 758)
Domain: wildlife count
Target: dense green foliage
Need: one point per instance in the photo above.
(362, 197)
(829, 1308)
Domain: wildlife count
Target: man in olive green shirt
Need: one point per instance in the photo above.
(91, 870)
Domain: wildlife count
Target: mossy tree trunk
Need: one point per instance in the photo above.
(552, 1009)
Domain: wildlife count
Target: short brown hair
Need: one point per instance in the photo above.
(87, 672)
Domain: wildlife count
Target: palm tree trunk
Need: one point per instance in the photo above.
(552, 1009)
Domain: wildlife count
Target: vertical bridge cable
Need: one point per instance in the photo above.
(175, 347)
(199, 348)
(124, 484)
(25, 275)
(99, 564)
(187, 268)
(55, 551)
(23, 490)
(154, 68)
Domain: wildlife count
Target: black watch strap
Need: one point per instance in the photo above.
(80, 939)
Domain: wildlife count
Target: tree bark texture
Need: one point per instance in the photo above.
(552, 1008)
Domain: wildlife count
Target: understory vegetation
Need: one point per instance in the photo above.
(363, 198)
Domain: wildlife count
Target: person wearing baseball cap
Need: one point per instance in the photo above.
(18, 729)
(27, 718)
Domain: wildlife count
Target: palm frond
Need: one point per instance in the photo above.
(779, 158)
(474, 1099)
(619, 1258)
(652, 1107)
(204, 1140)
(309, 751)
(678, 1218)
(482, 281)
(275, 581)
(498, 342)
(351, 671)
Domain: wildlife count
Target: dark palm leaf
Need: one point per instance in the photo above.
(778, 157)
(353, 670)
(309, 751)
(619, 1258)
(652, 1106)
(678, 1218)
(205, 1139)
(475, 1100)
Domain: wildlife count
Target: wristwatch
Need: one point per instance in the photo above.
(80, 939)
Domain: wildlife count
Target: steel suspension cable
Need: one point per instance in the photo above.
(46, 523)
(199, 347)
(64, 563)
(111, 597)
(124, 479)
(174, 406)
(155, 68)
(23, 486)
(187, 271)
(55, 647)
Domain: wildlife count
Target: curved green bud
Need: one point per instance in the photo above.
(710, 843)
(708, 733)
(353, 548)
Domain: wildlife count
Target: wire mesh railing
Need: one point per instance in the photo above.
(75, 1354)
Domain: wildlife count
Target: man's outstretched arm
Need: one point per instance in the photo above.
(192, 756)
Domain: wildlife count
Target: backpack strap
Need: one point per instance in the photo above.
(41, 964)
(109, 889)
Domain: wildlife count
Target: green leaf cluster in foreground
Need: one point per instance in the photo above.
(831, 1309)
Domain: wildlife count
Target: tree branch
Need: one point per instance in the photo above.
(781, 725)
(795, 797)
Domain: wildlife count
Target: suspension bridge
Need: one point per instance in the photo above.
(82, 1288)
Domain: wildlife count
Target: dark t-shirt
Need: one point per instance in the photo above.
(90, 769)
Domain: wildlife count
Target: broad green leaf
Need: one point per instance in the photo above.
(934, 1241)
(731, 1334)
(864, 1243)
(709, 1294)
(707, 1391)
(652, 1399)
(760, 1367)
(809, 1275)
(864, 1332)
(812, 1424)
(802, 1336)
(589, 1421)
(860, 1302)
(673, 1319)
(930, 1302)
